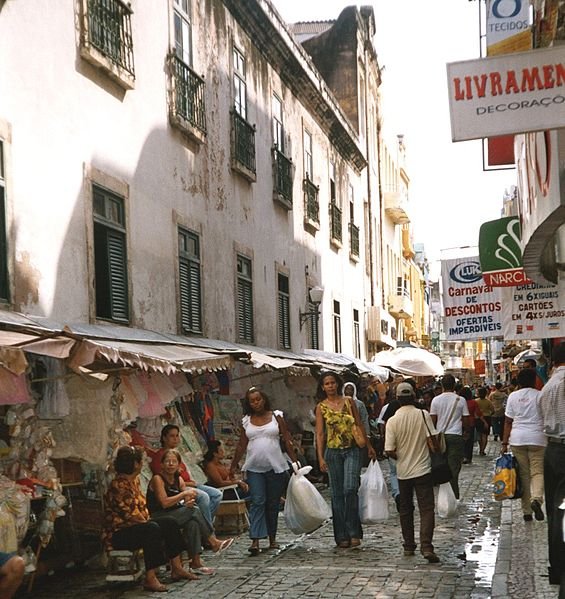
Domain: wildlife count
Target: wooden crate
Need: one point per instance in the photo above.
(68, 471)
(231, 517)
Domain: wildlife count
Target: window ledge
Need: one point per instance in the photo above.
(280, 199)
(185, 127)
(99, 60)
(353, 257)
(336, 243)
(241, 169)
(311, 225)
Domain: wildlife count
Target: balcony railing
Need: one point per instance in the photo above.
(283, 176)
(109, 31)
(353, 239)
(335, 222)
(311, 202)
(243, 136)
(189, 98)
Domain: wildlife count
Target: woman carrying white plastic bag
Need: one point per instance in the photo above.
(446, 502)
(304, 508)
(373, 495)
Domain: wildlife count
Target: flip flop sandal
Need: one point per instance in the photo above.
(159, 589)
(188, 576)
(254, 551)
(204, 571)
(225, 545)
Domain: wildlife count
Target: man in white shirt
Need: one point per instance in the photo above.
(449, 413)
(552, 405)
(405, 441)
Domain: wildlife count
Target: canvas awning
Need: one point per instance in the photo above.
(163, 358)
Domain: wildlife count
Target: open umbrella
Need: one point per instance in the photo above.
(411, 361)
(527, 353)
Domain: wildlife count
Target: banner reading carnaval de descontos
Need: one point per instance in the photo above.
(471, 309)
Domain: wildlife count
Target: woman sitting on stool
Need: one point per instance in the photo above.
(218, 474)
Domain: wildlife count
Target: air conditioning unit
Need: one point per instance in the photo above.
(381, 326)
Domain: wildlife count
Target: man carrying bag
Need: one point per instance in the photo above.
(406, 442)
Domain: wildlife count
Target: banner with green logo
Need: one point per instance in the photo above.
(500, 253)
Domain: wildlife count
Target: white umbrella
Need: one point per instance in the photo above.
(527, 353)
(411, 361)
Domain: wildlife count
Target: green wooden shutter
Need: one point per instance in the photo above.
(117, 274)
(190, 296)
(4, 286)
(245, 310)
(284, 321)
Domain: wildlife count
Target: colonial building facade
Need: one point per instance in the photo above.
(190, 167)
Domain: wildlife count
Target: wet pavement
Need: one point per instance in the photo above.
(476, 561)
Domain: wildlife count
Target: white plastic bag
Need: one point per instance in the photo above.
(446, 502)
(304, 509)
(373, 495)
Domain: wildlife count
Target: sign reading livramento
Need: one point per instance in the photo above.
(514, 93)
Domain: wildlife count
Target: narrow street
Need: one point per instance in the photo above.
(486, 551)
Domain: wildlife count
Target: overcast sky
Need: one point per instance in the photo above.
(450, 195)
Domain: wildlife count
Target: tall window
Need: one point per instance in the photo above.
(356, 335)
(244, 299)
(239, 85)
(110, 256)
(308, 157)
(183, 31)
(333, 187)
(284, 311)
(190, 285)
(278, 138)
(4, 286)
(337, 327)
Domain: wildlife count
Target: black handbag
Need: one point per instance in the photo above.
(441, 472)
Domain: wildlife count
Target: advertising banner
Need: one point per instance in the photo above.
(512, 93)
(500, 252)
(471, 308)
(533, 311)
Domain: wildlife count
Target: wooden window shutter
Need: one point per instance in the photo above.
(117, 274)
(190, 296)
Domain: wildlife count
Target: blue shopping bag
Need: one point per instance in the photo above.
(506, 478)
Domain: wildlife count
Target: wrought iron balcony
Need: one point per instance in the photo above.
(243, 146)
(282, 167)
(109, 31)
(335, 222)
(189, 104)
(353, 240)
(311, 203)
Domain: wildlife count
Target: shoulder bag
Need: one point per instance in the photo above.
(358, 433)
(440, 468)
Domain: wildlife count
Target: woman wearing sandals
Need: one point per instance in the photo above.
(265, 465)
(127, 524)
(340, 457)
(169, 496)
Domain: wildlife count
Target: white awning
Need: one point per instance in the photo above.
(162, 358)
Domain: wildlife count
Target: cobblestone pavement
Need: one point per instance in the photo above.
(310, 566)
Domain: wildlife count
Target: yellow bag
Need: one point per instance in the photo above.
(505, 479)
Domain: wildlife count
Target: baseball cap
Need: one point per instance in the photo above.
(404, 390)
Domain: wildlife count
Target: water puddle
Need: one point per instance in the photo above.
(482, 552)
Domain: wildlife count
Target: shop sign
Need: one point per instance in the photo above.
(508, 26)
(480, 367)
(500, 252)
(512, 93)
(533, 311)
(471, 308)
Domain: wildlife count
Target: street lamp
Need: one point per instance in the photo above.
(316, 294)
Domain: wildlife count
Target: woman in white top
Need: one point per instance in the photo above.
(523, 428)
(265, 465)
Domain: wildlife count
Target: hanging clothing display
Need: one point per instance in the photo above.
(13, 388)
(54, 402)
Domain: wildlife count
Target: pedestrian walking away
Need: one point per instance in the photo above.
(406, 442)
(523, 432)
(449, 413)
(552, 406)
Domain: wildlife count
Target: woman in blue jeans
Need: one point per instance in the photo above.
(265, 465)
(339, 455)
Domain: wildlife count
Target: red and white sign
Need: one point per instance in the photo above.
(513, 93)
